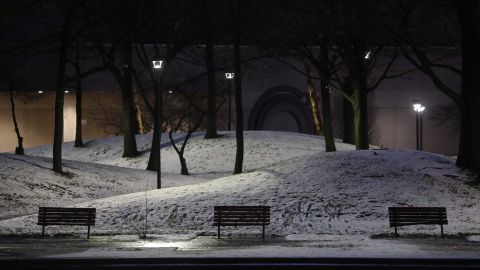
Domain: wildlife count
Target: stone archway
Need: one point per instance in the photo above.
(281, 108)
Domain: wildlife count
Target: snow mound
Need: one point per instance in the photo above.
(28, 182)
(339, 193)
(212, 158)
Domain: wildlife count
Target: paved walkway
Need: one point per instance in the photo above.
(248, 246)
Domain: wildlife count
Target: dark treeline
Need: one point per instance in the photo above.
(346, 48)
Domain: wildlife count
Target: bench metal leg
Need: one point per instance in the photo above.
(218, 234)
(43, 231)
(263, 231)
(88, 233)
(441, 228)
(396, 233)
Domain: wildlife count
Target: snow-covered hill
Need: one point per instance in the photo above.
(28, 182)
(205, 158)
(344, 192)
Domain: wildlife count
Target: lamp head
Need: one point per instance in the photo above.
(158, 64)
(230, 75)
(417, 105)
(367, 55)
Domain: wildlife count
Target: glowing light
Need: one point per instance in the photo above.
(229, 75)
(40, 91)
(418, 107)
(158, 64)
(161, 244)
(170, 91)
(66, 91)
(367, 55)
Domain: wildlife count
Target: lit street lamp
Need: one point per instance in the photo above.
(158, 65)
(419, 108)
(229, 76)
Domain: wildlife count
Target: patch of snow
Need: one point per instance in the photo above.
(473, 238)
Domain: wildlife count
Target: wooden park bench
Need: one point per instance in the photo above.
(241, 216)
(66, 216)
(405, 216)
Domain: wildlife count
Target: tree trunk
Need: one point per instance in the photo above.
(60, 92)
(78, 97)
(358, 75)
(312, 97)
(348, 116)
(154, 161)
(183, 164)
(129, 141)
(212, 97)
(327, 118)
(360, 118)
(138, 112)
(19, 149)
(238, 99)
(469, 14)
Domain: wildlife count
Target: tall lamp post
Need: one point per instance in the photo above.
(229, 76)
(157, 66)
(419, 108)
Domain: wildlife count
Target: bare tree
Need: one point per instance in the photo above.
(189, 119)
(468, 13)
(335, 37)
(65, 40)
(237, 62)
(210, 64)
(11, 77)
(72, 23)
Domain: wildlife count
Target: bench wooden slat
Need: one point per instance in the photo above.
(66, 216)
(241, 216)
(417, 220)
(239, 224)
(400, 218)
(40, 220)
(66, 223)
(65, 209)
(408, 208)
(257, 221)
(419, 223)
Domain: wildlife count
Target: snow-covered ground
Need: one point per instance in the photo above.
(99, 171)
(210, 158)
(310, 192)
(28, 182)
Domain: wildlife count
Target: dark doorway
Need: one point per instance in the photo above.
(281, 108)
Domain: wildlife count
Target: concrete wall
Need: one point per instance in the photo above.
(36, 120)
